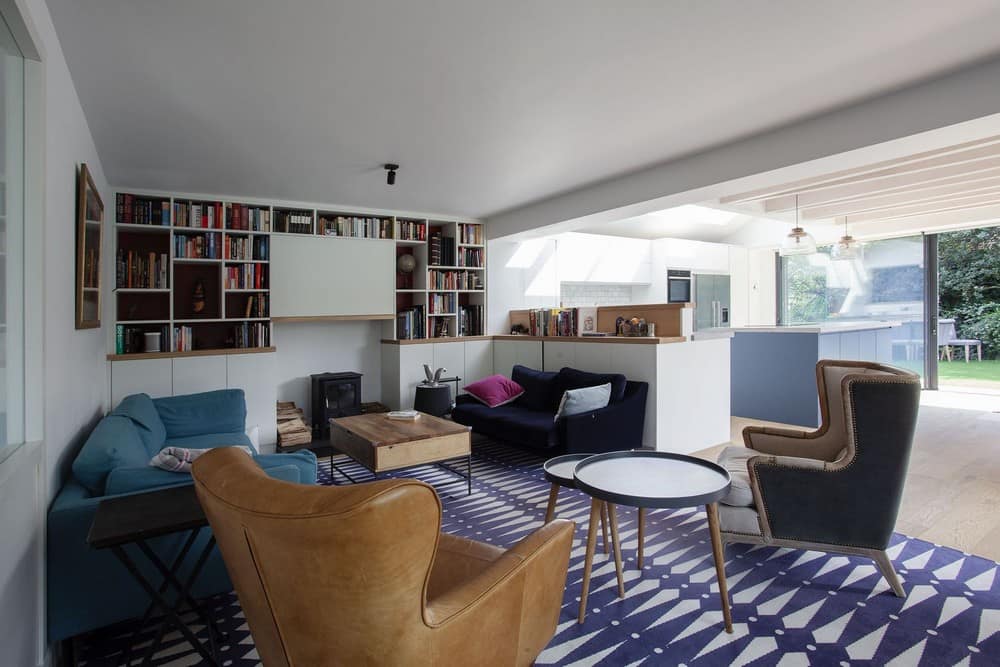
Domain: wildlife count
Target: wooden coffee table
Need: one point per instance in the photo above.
(381, 444)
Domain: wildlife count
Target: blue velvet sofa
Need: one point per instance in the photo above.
(89, 589)
(530, 420)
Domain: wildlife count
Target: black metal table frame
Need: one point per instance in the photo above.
(171, 613)
(466, 476)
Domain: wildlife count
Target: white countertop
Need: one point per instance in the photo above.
(822, 327)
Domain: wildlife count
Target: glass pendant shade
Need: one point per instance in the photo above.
(798, 242)
(846, 248)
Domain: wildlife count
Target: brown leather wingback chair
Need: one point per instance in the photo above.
(362, 575)
(837, 488)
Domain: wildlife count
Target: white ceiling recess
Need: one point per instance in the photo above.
(485, 105)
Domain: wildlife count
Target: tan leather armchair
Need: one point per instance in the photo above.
(837, 488)
(362, 575)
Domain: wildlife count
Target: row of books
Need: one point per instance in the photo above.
(441, 250)
(246, 247)
(471, 320)
(241, 217)
(411, 323)
(196, 246)
(135, 270)
(132, 340)
(202, 216)
(246, 276)
(457, 280)
(441, 304)
(562, 321)
(132, 210)
(293, 222)
(471, 234)
(256, 306)
(183, 339)
(91, 269)
(470, 257)
(252, 334)
(354, 227)
(411, 231)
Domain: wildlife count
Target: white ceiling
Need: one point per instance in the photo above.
(486, 105)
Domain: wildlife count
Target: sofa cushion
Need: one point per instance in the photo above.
(734, 460)
(211, 440)
(141, 410)
(539, 389)
(571, 378)
(510, 422)
(222, 411)
(584, 399)
(495, 390)
(114, 442)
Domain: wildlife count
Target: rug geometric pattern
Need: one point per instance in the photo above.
(790, 607)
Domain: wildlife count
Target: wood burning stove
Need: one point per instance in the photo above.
(334, 395)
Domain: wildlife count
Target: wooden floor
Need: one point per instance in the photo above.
(952, 494)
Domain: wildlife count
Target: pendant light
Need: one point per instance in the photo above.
(798, 241)
(847, 247)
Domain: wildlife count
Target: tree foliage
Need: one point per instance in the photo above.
(969, 284)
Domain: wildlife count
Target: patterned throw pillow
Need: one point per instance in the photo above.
(179, 459)
(494, 391)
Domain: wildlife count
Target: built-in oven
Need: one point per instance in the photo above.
(679, 286)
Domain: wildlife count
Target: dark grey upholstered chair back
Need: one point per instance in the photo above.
(869, 417)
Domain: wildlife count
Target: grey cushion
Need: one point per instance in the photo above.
(734, 460)
(584, 399)
(743, 520)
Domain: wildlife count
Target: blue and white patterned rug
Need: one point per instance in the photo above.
(789, 607)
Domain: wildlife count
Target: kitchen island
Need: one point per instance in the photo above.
(774, 367)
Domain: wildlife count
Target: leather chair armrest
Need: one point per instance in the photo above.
(548, 545)
(778, 441)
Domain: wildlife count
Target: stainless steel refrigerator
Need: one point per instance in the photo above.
(712, 301)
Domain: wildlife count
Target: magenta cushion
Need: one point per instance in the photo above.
(495, 390)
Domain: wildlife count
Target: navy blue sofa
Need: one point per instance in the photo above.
(530, 420)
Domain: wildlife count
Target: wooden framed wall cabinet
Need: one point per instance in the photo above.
(89, 238)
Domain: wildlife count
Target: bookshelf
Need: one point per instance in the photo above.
(445, 295)
(173, 252)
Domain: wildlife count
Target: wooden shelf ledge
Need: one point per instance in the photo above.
(191, 353)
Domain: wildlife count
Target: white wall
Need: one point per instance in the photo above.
(522, 274)
(305, 348)
(67, 378)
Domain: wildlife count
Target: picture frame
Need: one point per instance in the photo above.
(89, 239)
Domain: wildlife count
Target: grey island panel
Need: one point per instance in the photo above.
(774, 376)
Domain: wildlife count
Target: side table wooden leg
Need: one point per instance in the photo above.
(595, 513)
(642, 537)
(604, 526)
(613, 520)
(550, 511)
(720, 563)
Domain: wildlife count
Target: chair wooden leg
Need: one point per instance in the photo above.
(720, 563)
(881, 559)
(596, 507)
(604, 527)
(642, 537)
(550, 511)
(616, 542)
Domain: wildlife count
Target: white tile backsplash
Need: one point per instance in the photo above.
(573, 295)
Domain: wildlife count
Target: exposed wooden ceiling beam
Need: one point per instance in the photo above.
(927, 195)
(948, 155)
(926, 209)
(861, 189)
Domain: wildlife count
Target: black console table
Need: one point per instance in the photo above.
(135, 520)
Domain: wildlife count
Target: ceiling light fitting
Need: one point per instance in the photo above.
(390, 173)
(798, 241)
(847, 247)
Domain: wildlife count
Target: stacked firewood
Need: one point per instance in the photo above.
(292, 429)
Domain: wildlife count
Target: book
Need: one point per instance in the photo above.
(403, 415)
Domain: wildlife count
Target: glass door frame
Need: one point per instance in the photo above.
(931, 307)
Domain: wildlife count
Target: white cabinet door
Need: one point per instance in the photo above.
(254, 374)
(141, 376)
(411, 371)
(596, 357)
(478, 361)
(196, 374)
(507, 353)
(451, 357)
(559, 354)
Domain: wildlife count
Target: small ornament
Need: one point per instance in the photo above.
(198, 298)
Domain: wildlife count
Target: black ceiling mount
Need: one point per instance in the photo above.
(390, 176)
